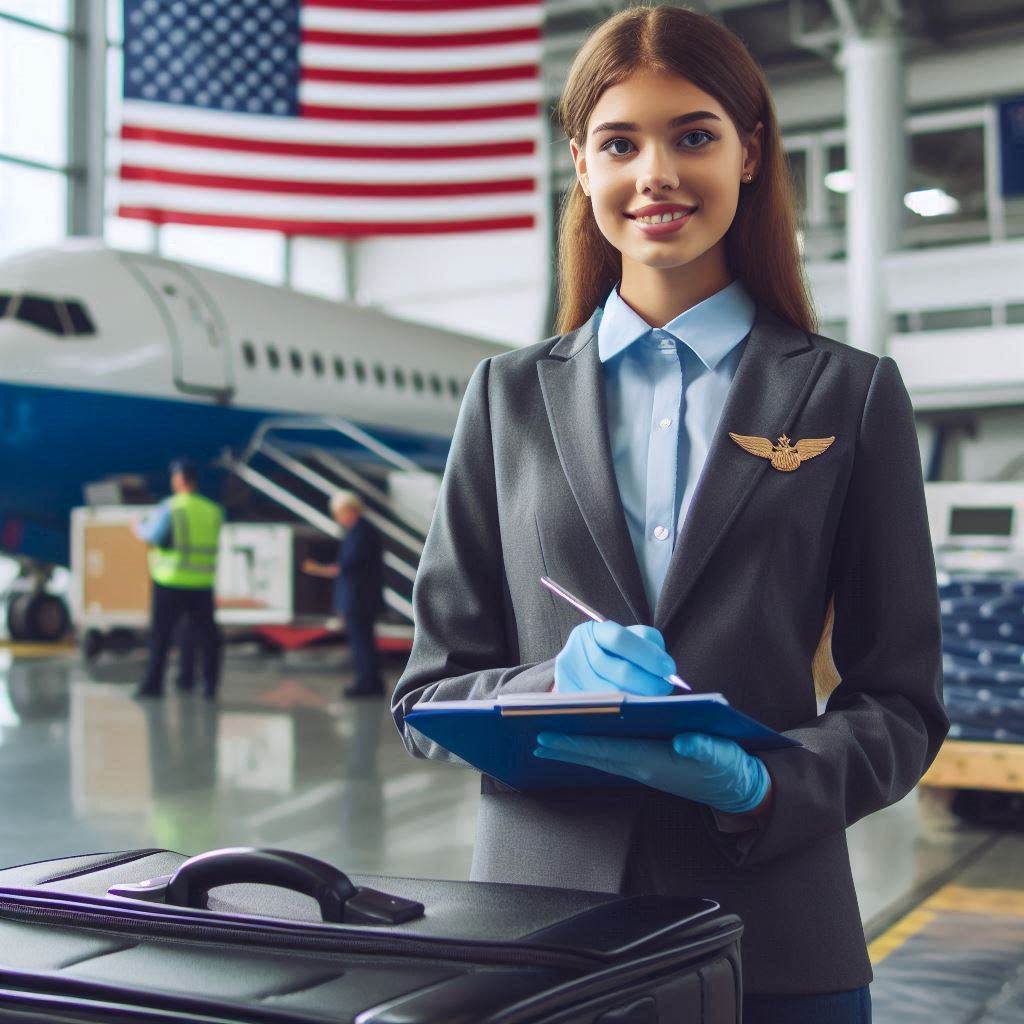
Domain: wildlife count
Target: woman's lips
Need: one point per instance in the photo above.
(665, 228)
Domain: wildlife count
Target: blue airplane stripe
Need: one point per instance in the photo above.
(52, 439)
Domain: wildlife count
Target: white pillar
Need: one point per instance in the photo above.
(317, 266)
(351, 281)
(87, 105)
(876, 155)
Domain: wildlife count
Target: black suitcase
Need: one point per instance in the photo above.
(136, 937)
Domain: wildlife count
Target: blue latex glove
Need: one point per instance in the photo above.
(695, 765)
(599, 657)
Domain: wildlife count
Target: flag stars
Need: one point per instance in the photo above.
(215, 54)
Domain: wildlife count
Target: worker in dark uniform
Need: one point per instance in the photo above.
(359, 590)
(183, 534)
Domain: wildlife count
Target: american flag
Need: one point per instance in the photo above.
(348, 118)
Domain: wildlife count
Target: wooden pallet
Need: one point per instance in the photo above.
(961, 764)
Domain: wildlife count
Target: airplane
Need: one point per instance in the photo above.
(113, 363)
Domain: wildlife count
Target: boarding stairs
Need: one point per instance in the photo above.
(295, 463)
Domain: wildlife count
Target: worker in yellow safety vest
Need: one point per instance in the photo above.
(183, 533)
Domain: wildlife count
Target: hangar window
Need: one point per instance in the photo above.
(318, 364)
(435, 383)
(399, 377)
(380, 373)
(249, 353)
(296, 359)
(360, 370)
(273, 357)
(339, 367)
(417, 380)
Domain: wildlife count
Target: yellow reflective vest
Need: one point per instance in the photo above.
(190, 562)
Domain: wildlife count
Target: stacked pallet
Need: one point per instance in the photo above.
(983, 683)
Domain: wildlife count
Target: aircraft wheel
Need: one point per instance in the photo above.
(38, 617)
(17, 617)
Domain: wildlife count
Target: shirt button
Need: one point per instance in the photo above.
(664, 424)
(660, 532)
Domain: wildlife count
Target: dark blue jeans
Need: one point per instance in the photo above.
(850, 1007)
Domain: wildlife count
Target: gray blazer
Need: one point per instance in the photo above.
(529, 489)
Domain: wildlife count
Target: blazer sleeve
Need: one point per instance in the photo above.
(461, 648)
(884, 723)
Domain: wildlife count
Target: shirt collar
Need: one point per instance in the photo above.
(711, 329)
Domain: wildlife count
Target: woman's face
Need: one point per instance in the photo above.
(645, 159)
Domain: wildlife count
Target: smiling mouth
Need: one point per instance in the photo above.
(663, 218)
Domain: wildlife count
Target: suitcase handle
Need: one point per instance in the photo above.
(191, 883)
(340, 901)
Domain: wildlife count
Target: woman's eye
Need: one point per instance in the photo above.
(697, 131)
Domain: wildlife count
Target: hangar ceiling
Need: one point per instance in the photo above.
(797, 37)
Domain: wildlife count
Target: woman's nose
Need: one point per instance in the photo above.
(656, 173)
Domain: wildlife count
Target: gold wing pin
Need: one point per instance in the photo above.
(783, 456)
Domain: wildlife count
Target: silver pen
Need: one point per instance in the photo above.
(598, 617)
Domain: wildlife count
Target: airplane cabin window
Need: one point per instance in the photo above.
(399, 377)
(5, 301)
(81, 322)
(273, 357)
(40, 312)
(417, 380)
(435, 383)
(339, 367)
(318, 364)
(296, 359)
(249, 353)
(380, 373)
(360, 370)
(453, 387)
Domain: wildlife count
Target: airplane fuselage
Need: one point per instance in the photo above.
(114, 363)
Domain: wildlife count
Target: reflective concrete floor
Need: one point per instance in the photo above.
(284, 760)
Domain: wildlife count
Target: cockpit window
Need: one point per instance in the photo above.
(56, 316)
(34, 309)
(81, 322)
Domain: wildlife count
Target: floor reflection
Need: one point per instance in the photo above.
(282, 760)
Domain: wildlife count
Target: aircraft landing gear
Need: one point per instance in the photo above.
(31, 613)
(37, 616)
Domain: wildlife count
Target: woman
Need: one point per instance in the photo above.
(654, 458)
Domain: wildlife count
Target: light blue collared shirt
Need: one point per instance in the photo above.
(656, 381)
(156, 527)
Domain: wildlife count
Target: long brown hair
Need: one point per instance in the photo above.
(761, 244)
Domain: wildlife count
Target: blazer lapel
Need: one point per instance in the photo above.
(573, 387)
(777, 372)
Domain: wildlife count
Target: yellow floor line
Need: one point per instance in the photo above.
(1001, 902)
(950, 898)
(903, 929)
(26, 650)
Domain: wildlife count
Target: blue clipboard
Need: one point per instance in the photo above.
(498, 737)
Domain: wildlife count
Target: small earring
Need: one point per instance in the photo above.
(748, 178)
